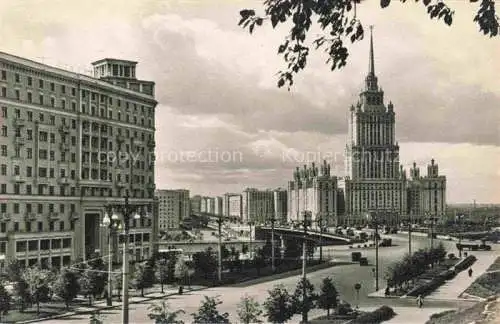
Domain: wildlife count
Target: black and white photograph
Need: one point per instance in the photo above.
(250, 161)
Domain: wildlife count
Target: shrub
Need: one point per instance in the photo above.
(379, 315)
(451, 256)
(465, 263)
(427, 287)
(344, 308)
(355, 256)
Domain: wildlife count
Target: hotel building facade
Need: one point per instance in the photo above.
(70, 145)
(376, 181)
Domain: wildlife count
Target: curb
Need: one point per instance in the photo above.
(98, 309)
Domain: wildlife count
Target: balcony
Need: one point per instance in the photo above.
(63, 181)
(121, 184)
(63, 146)
(41, 180)
(74, 216)
(4, 216)
(18, 179)
(64, 129)
(151, 186)
(95, 182)
(137, 142)
(19, 122)
(53, 215)
(29, 216)
(19, 141)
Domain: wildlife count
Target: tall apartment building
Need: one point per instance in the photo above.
(218, 203)
(376, 181)
(174, 207)
(313, 190)
(207, 205)
(280, 202)
(196, 204)
(257, 205)
(70, 144)
(232, 205)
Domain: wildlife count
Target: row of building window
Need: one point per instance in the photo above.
(94, 96)
(44, 189)
(40, 208)
(43, 245)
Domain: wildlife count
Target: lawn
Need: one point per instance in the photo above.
(486, 285)
(495, 266)
(474, 314)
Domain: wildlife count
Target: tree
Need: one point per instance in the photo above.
(66, 286)
(303, 304)
(38, 281)
(161, 273)
(21, 294)
(162, 314)
(181, 270)
(86, 284)
(4, 301)
(208, 313)
(205, 262)
(339, 24)
(13, 270)
(249, 310)
(279, 305)
(143, 277)
(328, 296)
(259, 261)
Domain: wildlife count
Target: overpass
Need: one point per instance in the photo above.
(191, 247)
(264, 233)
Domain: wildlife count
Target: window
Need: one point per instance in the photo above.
(4, 131)
(51, 172)
(52, 137)
(41, 117)
(4, 92)
(16, 208)
(40, 226)
(52, 120)
(30, 81)
(3, 169)
(4, 112)
(30, 116)
(40, 84)
(63, 104)
(52, 101)
(63, 88)
(73, 92)
(42, 172)
(28, 190)
(52, 86)
(40, 99)
(16, 170)
(29, 171)
(61, 226)
(4, 150)
(29, 153)
(29, 134)
(18, 94)
(4, 75)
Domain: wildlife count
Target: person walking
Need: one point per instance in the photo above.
(470, 272)
(420, 301)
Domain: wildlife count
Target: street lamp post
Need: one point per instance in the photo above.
(357, 287)
(250, 245)
(273, 267)
(409, 234)
(219, 267)
(320, 224)
(374, 218)
(305, 223)
(112, 224)
(126, 210)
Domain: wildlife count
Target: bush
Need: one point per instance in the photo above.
(465, 263)
(427, 287)
(447, 275)
(379, 315)
(344, 308)
(451, 256)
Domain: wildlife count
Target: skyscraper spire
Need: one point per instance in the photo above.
(371, 68)
(371, 79)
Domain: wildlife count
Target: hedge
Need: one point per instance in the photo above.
(465, 263)
(427, 287)
(379, 315)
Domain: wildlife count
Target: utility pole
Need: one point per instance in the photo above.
(409, 234)
(219, 267)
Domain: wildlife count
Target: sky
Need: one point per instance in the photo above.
(223, 125)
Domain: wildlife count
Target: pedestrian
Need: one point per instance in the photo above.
(470, 272)
(420, 301)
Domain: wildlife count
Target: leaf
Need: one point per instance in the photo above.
(426, 2)
(259, 21)
(252, 27)
(448, 19)
(245, 13)
(281, 83)
(384, 3)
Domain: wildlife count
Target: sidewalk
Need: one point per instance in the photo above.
(414, 315)
(452, 289)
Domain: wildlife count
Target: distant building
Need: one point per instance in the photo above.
(218, 203)
(280, 202)
(173, 208)
(257, 205)
(208, 205)
(232, 205)
(195, 204)
(313, 190)
(426, 194)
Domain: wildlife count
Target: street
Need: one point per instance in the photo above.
(344, 276)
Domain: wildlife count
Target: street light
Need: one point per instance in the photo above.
(357, 287)
(409, 234)
(304, 223)
(273, 268)
(250, 245)
(126, 210)
(113, 224)
(219, 267)
(373, 217)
